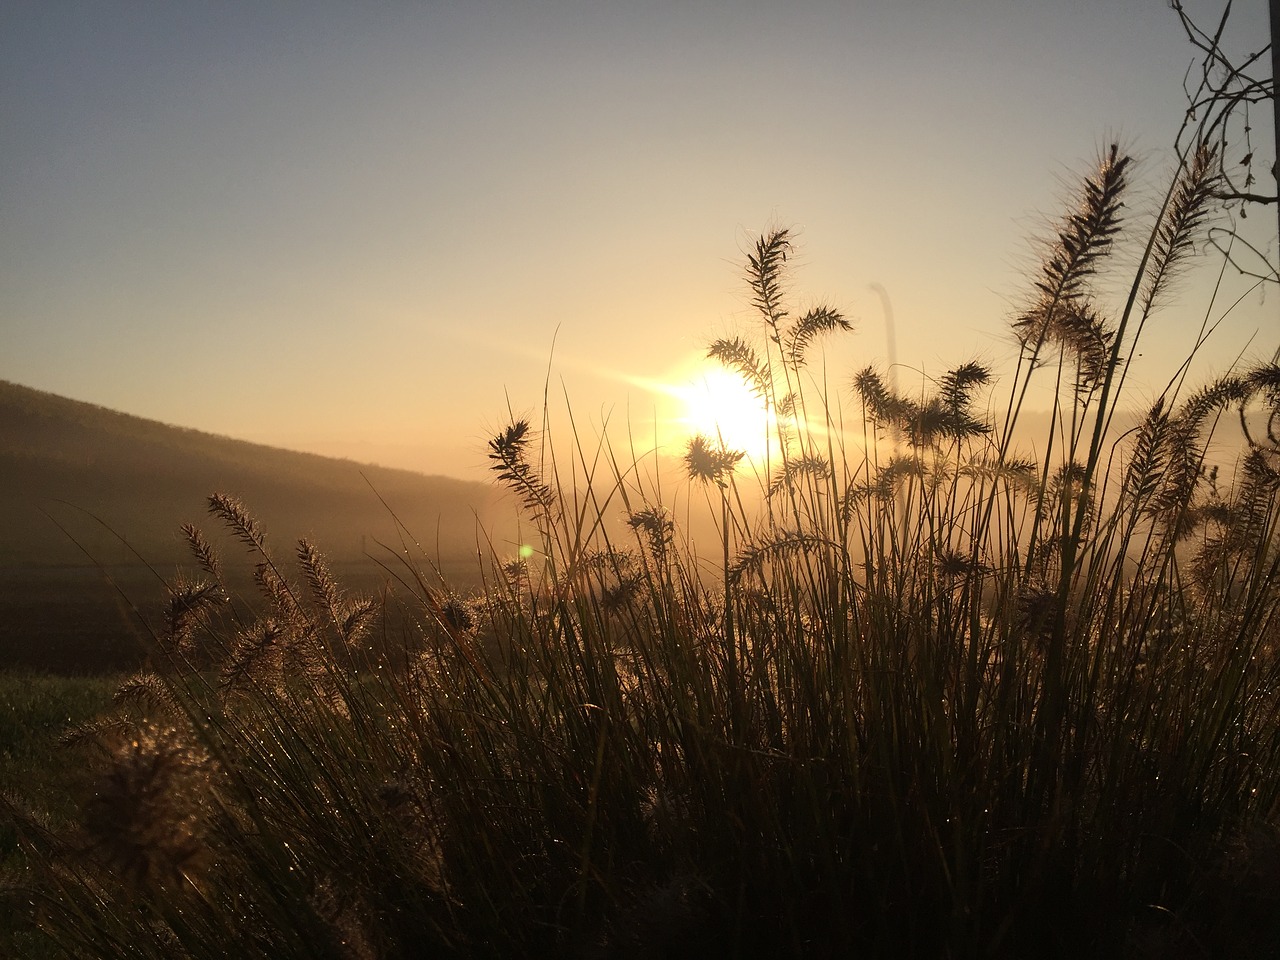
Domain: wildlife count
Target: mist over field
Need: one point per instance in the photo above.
(92, 501)
(89, 496)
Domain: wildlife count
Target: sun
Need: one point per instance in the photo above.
(719, 405)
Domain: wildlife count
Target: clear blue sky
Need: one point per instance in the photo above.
(356, 228)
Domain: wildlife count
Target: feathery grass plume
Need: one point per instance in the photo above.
(1256, 499)
(952, 410)
(710, 461)
(875, 396)
(457, 614)
(737, 355)
(787, 475)
(1173, 501)
(147, 817)
(356, 616)
(623, 593)
(282, 597)
(1075, 325)
(765, 270)
(324, 589)
(945, 416)
(1062, 312)
(202, 550)
(256, 656)
(1087, 233)
(188, 603)
(1263, 383)
(956, 388)
(1035, 606)
(885, 407)
(509, 453)
(1265, 380)
(952, 565)
(232, 512)
(608, 560)
(1021, 472)
(1067, 481)
(148, 691)
(781, 546)
(860, 493)
(930, 422)
(1149, 457)
(350, 617)
(1188, 210)
(1247, 526)
(96, 730)
(656, 527)
(1085, 334)
(515, 570)
(893, 473)
(810, 325)
(1212, 399)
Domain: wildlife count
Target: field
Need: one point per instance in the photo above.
(70, 620)
(36, 710)
(89, 620)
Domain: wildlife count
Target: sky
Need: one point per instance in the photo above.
(371, 230)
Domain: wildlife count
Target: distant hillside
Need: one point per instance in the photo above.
(100, 473)
(143, 478)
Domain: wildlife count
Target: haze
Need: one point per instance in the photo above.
(361, 229)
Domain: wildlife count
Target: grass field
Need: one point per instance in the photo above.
(923, 694)
(36, 710)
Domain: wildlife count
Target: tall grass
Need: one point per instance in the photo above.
(938, 697)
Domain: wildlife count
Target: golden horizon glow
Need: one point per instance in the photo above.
(398, 254)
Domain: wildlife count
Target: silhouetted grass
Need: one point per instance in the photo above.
(940, 699)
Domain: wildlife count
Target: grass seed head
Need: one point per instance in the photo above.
(147, 816)
(710, 462)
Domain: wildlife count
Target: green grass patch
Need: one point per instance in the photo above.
(40, 773)
(36, 711)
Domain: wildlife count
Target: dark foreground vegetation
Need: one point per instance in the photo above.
(936, 697)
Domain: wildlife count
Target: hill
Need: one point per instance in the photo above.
(106, 477)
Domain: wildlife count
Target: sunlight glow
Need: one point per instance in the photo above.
(719, 405)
